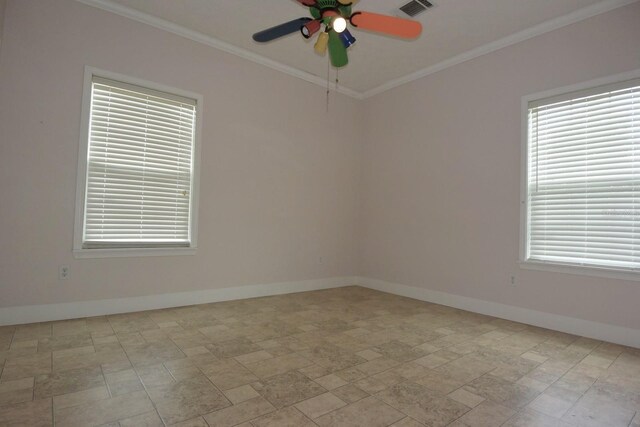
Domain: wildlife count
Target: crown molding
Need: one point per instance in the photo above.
(199, 37)
(545, 27)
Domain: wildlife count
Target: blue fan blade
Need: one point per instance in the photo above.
(280, 30)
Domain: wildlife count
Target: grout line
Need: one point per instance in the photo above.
(144, 387)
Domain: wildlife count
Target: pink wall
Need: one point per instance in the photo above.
(276, 193)
(3, 4)
(429, 197)
(441, 173)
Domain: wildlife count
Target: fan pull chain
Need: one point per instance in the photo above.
(328, 82)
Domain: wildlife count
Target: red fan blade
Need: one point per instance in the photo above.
(307, 3)
(385, 24)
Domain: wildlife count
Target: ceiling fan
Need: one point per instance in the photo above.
(334, 15)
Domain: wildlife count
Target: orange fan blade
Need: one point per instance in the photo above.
(385, 24)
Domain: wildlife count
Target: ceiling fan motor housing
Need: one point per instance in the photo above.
(323, 8)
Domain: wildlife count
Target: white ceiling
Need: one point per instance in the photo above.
(451, 28)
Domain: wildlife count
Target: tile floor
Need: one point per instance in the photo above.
(340, 357)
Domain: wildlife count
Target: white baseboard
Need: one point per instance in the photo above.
(586, 328)
(75, 310)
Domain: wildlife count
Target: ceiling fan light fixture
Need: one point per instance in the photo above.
(347, 38)
(310, 28)
(322, 43)
(339, 24)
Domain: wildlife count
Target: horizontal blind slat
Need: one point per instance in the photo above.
(140, 166)
(583, 204)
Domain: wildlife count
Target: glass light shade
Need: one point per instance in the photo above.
(347, 38)
(339, 24)
(322, 43)
(310, 28)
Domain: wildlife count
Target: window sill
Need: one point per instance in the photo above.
(582, 270)
(132, 252)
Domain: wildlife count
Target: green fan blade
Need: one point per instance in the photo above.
(337, 51)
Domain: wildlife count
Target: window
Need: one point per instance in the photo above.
(138, 170)
(582, 201)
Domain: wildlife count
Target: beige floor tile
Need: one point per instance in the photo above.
(287, 417)
(154, 375)
(70, 352)
(368, 354)
(58, 383)
(431, 361)
(278, 365)
(29, 344)
(193, 422)
(27, 366)
(104, 411)
(534, 419)
(109, 360)
(320, 405)
(589, 412)
(227, 374)
(469, 399)
(600, 362)
(370, 385)
(287, 389)
(32, 331)
(422, 404)
(80, 397)
(315, 371)
(368, 412)
(148, 419)
(533, 384)
(425, 364)
(350, 393)
(530, 355)
(15, 385)
(411, 370)
(376, 366)
(254, 357)
(242, 412)
(553, 404)
(64, 342)
(232, 348)
(16, 396)
(487, 414)
(186, 399)
(439, 382)
(151, 353)
(332, 357)
(33, 414)
(240, 394)
(330, 381)
(500, 391)
(407, 422)
(192, 351)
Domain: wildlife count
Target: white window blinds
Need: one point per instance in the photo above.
(584, 178)
(139, 169)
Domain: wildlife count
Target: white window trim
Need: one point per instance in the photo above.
(78, 250)
(584, 270)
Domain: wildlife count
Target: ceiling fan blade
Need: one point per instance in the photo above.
(308, 3)
(337, 51)
(389, 25)
(280, 30)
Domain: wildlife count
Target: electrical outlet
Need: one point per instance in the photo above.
(63, 272)
(513, 280)
(321, 260)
